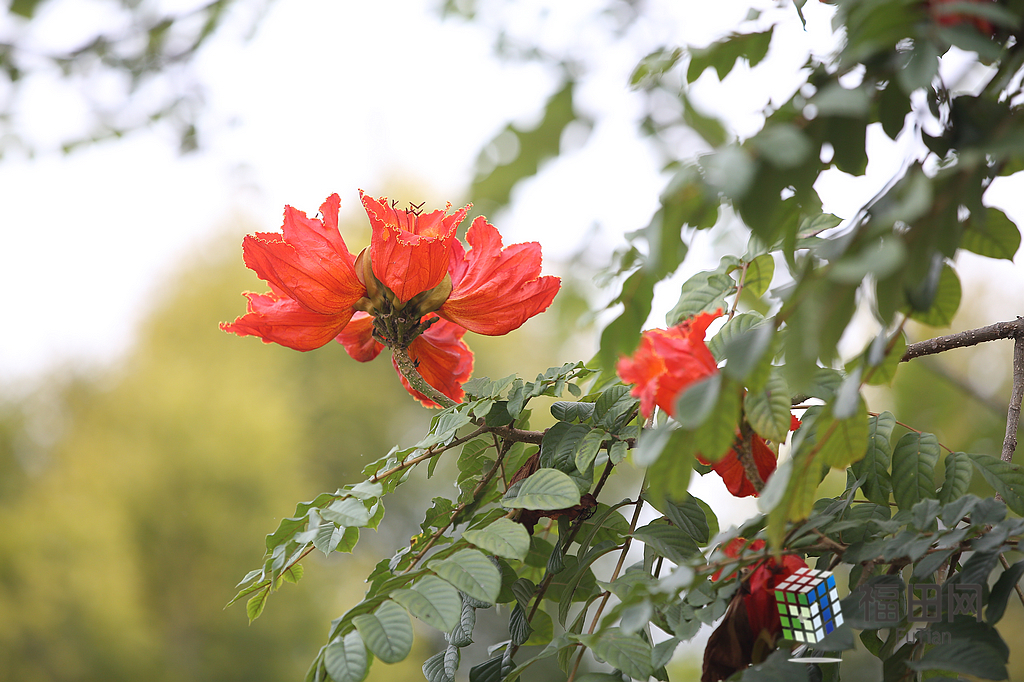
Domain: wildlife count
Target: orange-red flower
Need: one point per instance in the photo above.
(414, 273)
(731, 469)
(668, 361)
(313, 284)
(444, 360)
(761, 582)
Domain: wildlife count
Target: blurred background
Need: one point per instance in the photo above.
(144, 453)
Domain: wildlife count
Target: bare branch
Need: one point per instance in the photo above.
(1013, 412)
(970, 337)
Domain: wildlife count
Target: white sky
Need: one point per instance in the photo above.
(327, 97)
(332, 96)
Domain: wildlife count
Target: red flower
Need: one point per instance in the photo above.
(313, 284)
(760, 584)
(731, 469)
(414, 271)
(946, 18)
(495, 289)
(444, 360)
(667, 361)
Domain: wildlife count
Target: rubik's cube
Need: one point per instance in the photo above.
(808, 605)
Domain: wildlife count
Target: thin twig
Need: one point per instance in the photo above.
(431, 452)
(615, 574)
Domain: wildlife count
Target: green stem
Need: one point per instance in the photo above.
(408, 369)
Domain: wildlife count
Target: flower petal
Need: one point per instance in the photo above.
(285, 321)
(409, 252)
(358, 339)
(443, 359)
(495, 289)
(667, 361)
(309, 262)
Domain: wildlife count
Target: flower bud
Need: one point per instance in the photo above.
(431, 300)
(373, 302)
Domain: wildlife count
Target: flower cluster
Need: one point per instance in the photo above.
(415, 288)
(667, 362)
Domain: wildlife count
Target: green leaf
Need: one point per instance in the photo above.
(348, 511)
(704, 292)
(254, 607)
(669, 476)
(784, 146)
(547, 489)
(958, 477)
(913, 468)
(614, 404)
(293, 574)
(572, 412)
(345, 659)
(722, 55)
(668, 541)
(842, 441)
(1001, 592)
(628, 653)
(488, 671)
(558, 448)
(971, 656)
(689, 516)
(433, 601)
(991, 234)
(874, 467)
(387, 632)
(588, 449)
(471, 572)
(945, 303)
(504, 537)
(732, 329)
(768, 410)
(1005, 477)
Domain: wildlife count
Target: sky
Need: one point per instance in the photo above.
(331, 97)
(325, 97)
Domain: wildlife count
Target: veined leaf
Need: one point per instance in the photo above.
(628, 653)
(347, 512)
(558, 449)
(254, 607)
(874, 467)
(345, 660)
(503, 537)
(768, 410)
(387, 632)
(992, 234)
(945, 302)
(668, 541)
(913, 468)
(843, 441)
(1005, 477)
(433, 601)
(471, 572)
(547, 489)
(958, 477)
(704, 292)
(588, 448)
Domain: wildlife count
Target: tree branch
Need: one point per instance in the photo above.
(1013, 412)
(970, 337)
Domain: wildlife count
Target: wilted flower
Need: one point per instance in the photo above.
(415, 288)
(751, 625)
